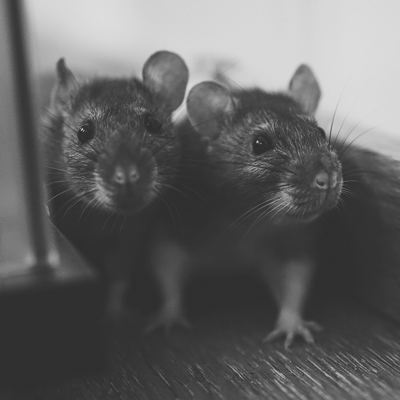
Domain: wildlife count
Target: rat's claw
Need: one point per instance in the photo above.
(167, 321)
(291, 329)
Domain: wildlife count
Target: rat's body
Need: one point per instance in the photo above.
(270, 173)
(112, 153)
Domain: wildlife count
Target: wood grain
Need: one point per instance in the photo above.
(357, 356)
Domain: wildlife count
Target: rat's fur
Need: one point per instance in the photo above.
(117, 111)
(107, 166)
(262, 210)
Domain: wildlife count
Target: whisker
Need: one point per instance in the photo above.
(357, 137)
(338, 102)
(57, 195)
(58, 118)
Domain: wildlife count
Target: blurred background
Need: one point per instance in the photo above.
(353, 46)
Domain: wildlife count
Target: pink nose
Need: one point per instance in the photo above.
(125, 175)
(325, 181)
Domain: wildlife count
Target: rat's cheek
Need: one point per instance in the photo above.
(102, 194)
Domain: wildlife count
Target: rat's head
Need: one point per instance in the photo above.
(267, 149)
(120, 148)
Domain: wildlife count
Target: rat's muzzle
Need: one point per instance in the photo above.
(315, 187)
(126, 179)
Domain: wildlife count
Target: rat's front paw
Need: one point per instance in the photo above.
(167, 318)
(292, 325)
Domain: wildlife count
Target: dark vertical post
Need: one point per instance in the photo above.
(39, 230)
(50, 318)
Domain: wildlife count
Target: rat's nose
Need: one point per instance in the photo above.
(125, 175)
(325, 181)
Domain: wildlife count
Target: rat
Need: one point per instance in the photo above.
(267, 173)
(112, 152)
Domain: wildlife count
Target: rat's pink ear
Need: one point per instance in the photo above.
(304, 88)
(206, 102)
(166, 74)
(65, 87)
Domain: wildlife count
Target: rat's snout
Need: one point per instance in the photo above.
(125, 165)
(125, 174)
(316, 186)
(131, 172)
(328, 175)
(324, 180)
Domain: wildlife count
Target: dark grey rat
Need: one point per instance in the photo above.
(272, 173)
(112, 151)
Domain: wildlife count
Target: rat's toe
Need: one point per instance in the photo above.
(313, 326)
(275, 334)
(290, 329)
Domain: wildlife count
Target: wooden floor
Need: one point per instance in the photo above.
(357, 356)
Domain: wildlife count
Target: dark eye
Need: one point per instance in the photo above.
(86, 132)
(261, 144)
(152, 124)
(322, 133)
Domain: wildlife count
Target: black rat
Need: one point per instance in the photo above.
(266, 172)
(112, 153)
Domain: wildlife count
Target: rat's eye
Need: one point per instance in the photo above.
(322, 133)
(152, 124)
(261, 144)
(85, 132)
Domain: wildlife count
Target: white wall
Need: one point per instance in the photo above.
(352, 45)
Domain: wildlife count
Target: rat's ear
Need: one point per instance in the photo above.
(304, 88)
(166, 74)
(65, 87)
(206, 102)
